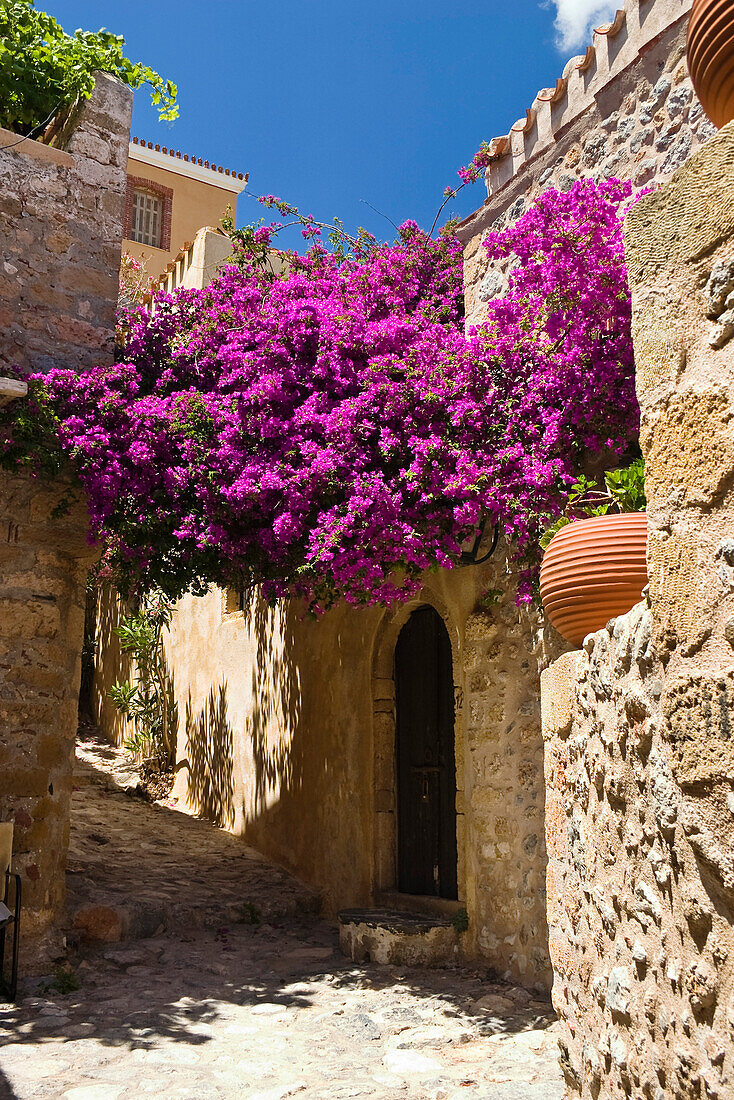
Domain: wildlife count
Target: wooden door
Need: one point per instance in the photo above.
(426, 768)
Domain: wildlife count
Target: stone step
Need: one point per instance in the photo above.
(110, 918)
(399, 938)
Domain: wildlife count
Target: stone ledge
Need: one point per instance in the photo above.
(12, 388)
(418, 904)
(393, 920)
(32, 148)
(557, 684)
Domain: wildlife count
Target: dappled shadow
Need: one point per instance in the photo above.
(109, 664)
(275, 713)
(6, 1092)
(210, 758)
(175, 991)
(142, 867)
(185, 989)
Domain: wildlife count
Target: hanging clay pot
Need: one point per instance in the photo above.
(710, 49)
(593, 571)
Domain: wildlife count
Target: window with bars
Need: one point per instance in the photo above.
(146, 219)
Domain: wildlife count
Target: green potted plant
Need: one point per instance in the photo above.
(595, 562)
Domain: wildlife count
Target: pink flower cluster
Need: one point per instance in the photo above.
(561, 345)
(331, 433)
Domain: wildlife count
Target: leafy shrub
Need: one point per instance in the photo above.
(625, 492)
(43, 69)
(147, 701)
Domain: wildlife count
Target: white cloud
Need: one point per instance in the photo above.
(576, 19)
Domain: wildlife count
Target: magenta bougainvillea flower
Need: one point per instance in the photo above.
(332, 432)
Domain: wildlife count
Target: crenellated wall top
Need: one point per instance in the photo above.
(615, 46)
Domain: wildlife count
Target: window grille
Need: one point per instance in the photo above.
(146, 221)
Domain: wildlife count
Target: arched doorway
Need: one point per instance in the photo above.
(426, 768)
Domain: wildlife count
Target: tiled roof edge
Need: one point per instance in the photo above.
(178, 155)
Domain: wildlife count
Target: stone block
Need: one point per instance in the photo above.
(30, 620)
(698, 721)
(100, 922)
(699, 196)
(393, 938)
(557, 694)
(556, 827)
(689, 447)
(659, 340)
(24, 782)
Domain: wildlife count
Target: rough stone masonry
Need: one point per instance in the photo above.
(628, 111)
(61, 214)
(639, 727)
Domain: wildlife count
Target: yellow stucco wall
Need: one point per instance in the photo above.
(274, 738)
(195, 204)
(111, 666)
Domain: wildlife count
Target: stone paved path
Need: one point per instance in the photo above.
(262, 1011)
(136, 868)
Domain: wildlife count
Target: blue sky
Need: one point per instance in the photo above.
(329, 102)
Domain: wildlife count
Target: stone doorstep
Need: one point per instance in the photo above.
(398, 938)
(424, 904)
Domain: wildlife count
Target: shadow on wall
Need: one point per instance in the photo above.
(259, 755)
(111, 666)
(274, 718)
(210, 755)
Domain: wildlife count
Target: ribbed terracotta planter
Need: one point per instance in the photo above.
(592, 571)
(710, 49)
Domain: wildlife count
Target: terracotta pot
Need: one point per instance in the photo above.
(592, 571)
(710, 49)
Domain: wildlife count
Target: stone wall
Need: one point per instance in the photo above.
(61, 211)
(287, 737)
(638, 727)
(43, 567)
(630, 114)
(61, 227)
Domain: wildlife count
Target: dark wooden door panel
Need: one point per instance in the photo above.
(425, 757)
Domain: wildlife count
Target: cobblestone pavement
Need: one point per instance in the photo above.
(146, 867)
(263, 1011)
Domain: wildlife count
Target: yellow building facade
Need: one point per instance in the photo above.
(169, 197)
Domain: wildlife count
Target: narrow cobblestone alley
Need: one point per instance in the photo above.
(205, 1005)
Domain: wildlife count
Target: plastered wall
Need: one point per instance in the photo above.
(194, 204)
(287, 737)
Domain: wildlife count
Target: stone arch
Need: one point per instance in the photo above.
(384, 733)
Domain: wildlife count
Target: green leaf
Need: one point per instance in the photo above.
(44, 70)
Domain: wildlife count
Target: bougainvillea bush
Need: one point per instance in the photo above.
(332, 432)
